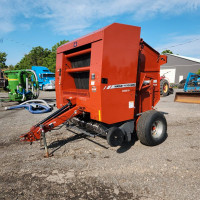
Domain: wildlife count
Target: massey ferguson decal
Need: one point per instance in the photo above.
(120, 86)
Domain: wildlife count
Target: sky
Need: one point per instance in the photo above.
(171, 24)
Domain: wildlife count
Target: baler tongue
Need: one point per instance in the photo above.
(187, 97)
(57, 118)
(32, 135)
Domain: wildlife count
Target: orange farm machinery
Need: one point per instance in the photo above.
(107, 83)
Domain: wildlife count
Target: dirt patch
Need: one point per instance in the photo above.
(29, 186)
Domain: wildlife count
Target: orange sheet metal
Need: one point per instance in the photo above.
(117, 59)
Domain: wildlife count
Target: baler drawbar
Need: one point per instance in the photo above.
(108, 83)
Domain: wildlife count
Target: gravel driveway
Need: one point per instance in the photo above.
(87, 168)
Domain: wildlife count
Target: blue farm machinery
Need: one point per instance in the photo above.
(191, 89)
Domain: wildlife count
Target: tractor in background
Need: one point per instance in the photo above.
(165, 88)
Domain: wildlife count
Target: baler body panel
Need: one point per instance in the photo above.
(149, 66)
(101, 71)
(119, 65)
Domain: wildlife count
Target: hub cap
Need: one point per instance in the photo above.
(157, 129)
(165, 87)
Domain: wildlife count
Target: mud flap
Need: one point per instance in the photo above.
(187, 97)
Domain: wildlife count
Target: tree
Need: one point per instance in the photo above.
(3, 56)
(11, 67)
(198, 72)
(54, 48)
(50, 60)
(39, 56)
(167, 51)
(34, 58)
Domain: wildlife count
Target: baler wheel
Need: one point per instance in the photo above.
(164, 87)
(152, 128)
(115, 137)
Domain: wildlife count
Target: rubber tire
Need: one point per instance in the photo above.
(181, 84)
(115, 137)
(162, 83)
(144, 127)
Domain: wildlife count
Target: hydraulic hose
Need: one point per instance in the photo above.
(33, 107)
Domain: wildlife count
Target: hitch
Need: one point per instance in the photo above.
(57, 118)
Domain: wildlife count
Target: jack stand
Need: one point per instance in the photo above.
(45, 144)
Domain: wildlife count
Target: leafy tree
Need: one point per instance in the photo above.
(3, 56)
(50, 60)
(198, 72)
(54, 48)
(39, 56)
(34, 58)
(167, 51)
(11, 67)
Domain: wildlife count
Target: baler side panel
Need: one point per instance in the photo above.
(149, 64)
(94, 105)
(119, 67)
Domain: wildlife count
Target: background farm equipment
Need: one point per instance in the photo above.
(165, 88)
(191, 92)
(107, 84)
(46, 79)
(33, 106)
(22, 85)
(3, 80)
(181, 84)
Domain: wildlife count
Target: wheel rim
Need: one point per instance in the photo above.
(165, 87)
(157, 129)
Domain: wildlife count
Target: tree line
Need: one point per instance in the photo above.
(38, 56)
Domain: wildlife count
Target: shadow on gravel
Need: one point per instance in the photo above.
(59, 143)
(127, 145)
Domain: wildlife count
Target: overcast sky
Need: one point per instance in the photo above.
(172, 24)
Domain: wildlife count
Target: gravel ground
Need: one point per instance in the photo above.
(87, 168)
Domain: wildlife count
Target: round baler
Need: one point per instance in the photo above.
(107, 84)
